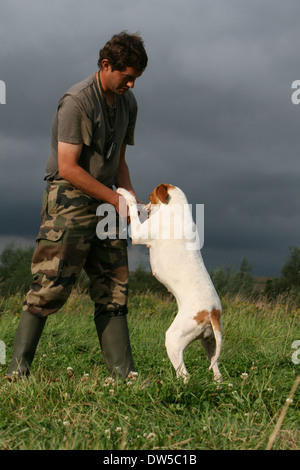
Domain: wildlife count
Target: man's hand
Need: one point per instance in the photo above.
(130, 199)
(122, 208)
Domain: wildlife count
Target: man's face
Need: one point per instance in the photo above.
(119, 81)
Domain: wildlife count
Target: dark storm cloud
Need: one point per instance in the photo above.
(215, 111)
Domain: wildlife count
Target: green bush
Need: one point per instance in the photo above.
(288, 285)
(15, 273)
(230, 282)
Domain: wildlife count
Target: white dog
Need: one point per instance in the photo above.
(172, 238)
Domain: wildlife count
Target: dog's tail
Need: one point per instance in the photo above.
(215, 320)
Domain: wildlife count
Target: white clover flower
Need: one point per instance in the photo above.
(109, 381)
(244, 375)
(132, 376)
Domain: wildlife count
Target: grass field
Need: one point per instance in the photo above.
(69, 403)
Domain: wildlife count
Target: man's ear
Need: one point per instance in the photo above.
(105, 64)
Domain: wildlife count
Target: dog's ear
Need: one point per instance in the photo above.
(162, 192)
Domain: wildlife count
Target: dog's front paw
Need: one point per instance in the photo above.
(130, 199)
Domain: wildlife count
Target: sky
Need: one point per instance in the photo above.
(216, 116)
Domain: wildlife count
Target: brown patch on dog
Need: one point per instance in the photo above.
(160, 193)
(205, 317)
(215, 316)
(202, 317)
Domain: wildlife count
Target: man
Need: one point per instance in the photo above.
(94, 123)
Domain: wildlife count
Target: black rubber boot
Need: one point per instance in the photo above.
(115, 344)
(26, 340)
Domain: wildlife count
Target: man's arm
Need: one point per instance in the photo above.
(68, 168)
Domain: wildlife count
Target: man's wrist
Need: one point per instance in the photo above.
(114, 199)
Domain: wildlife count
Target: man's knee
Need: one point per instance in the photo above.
(53, 277)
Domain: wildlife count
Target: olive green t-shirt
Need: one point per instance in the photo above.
(82, 118)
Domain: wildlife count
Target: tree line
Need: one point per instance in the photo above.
(15, 276)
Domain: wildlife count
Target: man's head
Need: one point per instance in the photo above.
(122, 60)
(124, 50)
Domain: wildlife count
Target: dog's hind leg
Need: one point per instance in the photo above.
(209, 345)
(175, 345)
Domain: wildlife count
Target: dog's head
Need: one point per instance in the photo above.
(161, 194)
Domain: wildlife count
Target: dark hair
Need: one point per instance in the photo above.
(124, 50)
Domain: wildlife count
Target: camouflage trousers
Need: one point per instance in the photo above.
(66, 244)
